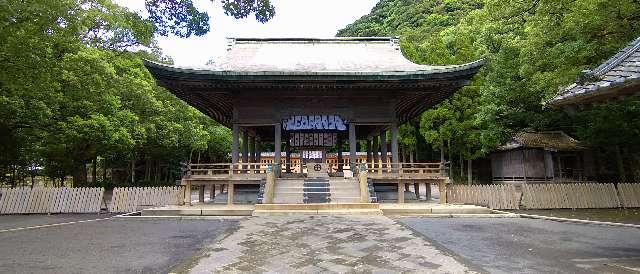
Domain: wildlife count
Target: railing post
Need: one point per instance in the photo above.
(364, 185)
(187, 193)
(269, 186)
(442, 188)
(230, 193)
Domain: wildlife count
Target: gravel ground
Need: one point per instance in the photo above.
(517, 245)
(116, 245)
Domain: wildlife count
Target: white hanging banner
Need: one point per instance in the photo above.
(302, 122)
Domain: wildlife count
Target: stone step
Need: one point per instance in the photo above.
(329, 206)
(317, 212)
(345, 199)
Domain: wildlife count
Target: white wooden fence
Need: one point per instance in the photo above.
(50, 200)
(492, 196)
(130, 199)
(546, 196)
(629, 195)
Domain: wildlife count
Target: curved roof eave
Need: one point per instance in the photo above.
(432, 72)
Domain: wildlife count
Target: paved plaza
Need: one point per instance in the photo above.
(325, 244)
(89, 243)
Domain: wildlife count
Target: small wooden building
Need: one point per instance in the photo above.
(540, 157)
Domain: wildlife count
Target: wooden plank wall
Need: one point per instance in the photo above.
(492, 196)
(547, 196)
(131, 199)
(26, 200)
(629, 195)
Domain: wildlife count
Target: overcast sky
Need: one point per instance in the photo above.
(294, 18)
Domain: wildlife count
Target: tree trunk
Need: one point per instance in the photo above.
(157, 173)
(13, 177)
(442, 170)
(79, 173)
(636, 170)
(449, 158)
(133, 171)
(104, 169)
(94, 172)
(620, 164)
(147, 169)
(469, 172)
(461, 166)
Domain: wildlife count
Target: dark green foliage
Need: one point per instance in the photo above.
(70, 92)
(178, 17)
(239, 9)
(532, 49)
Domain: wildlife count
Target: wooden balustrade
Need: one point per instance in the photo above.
(226, 169)
(404, 168)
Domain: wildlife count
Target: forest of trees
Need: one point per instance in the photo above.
(532, 49)
(74, 92)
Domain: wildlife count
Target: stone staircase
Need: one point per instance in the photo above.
(344, 190)
(316, 191)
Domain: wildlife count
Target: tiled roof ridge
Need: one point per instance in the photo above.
(617, 59)
(590, 81)
(294, 39)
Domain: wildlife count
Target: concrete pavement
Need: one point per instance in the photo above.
(518, 245)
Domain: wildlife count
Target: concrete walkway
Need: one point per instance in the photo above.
(327, 244)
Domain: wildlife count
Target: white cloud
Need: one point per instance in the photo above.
(294, 18)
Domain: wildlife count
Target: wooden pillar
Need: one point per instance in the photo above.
(258, 150)
(253, 149)
(339, 160)
(352, 147)
(230, 194)
(245, 148)
(427, 191)
(277, 149)
(376, 150)
(394, 145)
(383, 147)
(369, 149)
(212, 193)
(287, 150)
(401, 192)
(234, 144)
(416, 190)
(201, 194)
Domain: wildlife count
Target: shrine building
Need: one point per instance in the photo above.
(312, 97)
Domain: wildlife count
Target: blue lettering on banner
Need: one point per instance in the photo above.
(302, 122)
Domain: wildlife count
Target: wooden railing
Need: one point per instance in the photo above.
(405, 168)
(225, 169)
